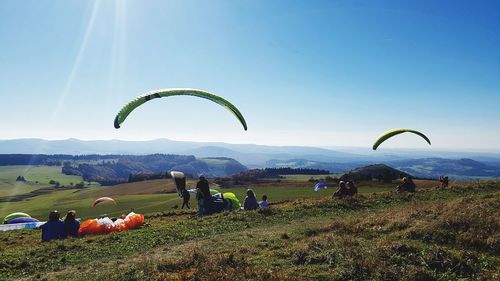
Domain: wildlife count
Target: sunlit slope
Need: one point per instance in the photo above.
(36, 177)
(428, 235)
(159, 196)
(146, 196)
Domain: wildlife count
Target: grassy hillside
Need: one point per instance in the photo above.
(430, 235)
(36, 176)
(160, 196)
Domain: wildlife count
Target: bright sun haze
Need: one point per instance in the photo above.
(322, 73)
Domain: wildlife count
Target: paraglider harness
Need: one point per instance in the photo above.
(216, 204)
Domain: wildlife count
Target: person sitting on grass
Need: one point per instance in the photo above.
(71, 225)
(352, 189)
(342, 191)
(250, 201)
(408, 185)
(52, 229)
(264, 203)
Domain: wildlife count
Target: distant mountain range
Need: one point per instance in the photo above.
(422, 163)
(249, 154)
(458, 169)
(433, 168)
(334, 168)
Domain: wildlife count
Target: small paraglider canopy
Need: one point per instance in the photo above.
(140, 100)
(180, 181)
(15, 216)
(21, 220)
(391, 133)
(103, 200)
(320, 185)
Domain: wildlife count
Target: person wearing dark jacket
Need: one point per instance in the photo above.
(185, 198)
(71, 225)
(202, 185)
(203, 195)
(250, 201)
(52, 229)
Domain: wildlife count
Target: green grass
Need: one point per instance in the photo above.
(429, 235)
(81, 200)
(36, 176)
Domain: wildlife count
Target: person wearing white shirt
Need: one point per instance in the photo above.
(264, 203)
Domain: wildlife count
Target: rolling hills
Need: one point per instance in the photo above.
(336, 159)
(459, 169)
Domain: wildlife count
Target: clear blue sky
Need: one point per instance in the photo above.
(321, 73)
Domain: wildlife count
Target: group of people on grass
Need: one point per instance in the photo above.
(443, 181)
(251, 201)
(55, 228)
(208, 204)
(407, 186)
(345, 190)
(348, 189)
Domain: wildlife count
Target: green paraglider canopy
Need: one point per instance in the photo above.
(391, 133)
(135, 103)
(15, 216)
(235, 203)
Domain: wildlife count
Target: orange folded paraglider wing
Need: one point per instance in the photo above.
(106, 225)
(134, 221)
(91, 227)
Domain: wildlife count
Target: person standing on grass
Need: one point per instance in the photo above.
(264, 203)
(185, 198)
(203, 194)
(52, 229)
(71, 225)
(250, 201)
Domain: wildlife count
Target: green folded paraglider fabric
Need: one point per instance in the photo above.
(135, 103)
(391, 133)
(15, 216)
(235, 202)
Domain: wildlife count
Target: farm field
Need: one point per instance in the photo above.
(381, 235)
(36, 177)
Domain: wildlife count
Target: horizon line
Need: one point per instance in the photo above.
(429, 150)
